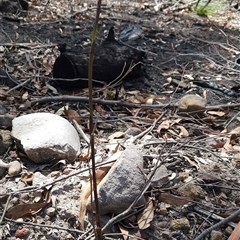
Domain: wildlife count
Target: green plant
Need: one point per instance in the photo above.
(207, 8)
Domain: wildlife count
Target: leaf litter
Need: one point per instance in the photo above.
(199, 151)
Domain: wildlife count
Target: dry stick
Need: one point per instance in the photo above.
(48, 226)
(5, 208)
(81, 132)
(68, 98)
(98, 230)
(217, 225)
(150, 128)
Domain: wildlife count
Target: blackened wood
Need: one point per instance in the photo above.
(109, 60)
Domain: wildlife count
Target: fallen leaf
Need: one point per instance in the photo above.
(235, 235)
(164, 125)
(27, 178)
(228, 145)
(184, 131)
(86, 191)
(116, 135)
(73, 115)
(105, 126)
(100, 110)
(29, 209)
(124, 231)
(216, 113)
(173, 200)
(146, 216)
(235, 130)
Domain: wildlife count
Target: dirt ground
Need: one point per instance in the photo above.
(184, 53)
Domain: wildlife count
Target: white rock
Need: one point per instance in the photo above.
(122, 184)
(45, 137)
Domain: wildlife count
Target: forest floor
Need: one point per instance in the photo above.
(184, 54)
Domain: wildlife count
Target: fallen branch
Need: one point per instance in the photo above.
(121, 103)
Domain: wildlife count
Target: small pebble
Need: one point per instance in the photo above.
(167, 234)
(216, 235)
(162, 224)
(55, 173)
(191, 102)
(51, 211)
(14, 168)
(66, 171)
(22, 233)
(181, 223)
(228, 230)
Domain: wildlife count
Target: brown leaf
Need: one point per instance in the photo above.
(236, 233)
(235, 130)
(173, 200)
(72, 114)
(184, 131)
(27, 178)
(217, 113)
(86, 191)
(100, 110)
(146, 216)
(29, 209)
(116, 135)
(164, 125)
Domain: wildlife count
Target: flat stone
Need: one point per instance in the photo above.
(122, 184)
(46, 137)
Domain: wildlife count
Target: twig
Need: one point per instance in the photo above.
(46, 226)
(80, 131)
(217, 225)
(98, 230)
(121, 103)
(18, 86)
(5, 208)
(212, 216)
(150, 128)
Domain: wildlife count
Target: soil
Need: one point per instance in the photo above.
(184, 53)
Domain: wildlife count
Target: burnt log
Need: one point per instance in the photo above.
(111, 60)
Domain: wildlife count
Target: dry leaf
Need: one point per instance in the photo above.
(124, 231)
(184, 131)
(173, 200)
(236, 233)
(216, 113)
(86, 191)
(29, 209)
(100, 110)
(235, 130)
(164, 125)
(27, 178)
(116, 135)
(146, 216)
(228, 145)
(105, 126)
(192, 162)
(72, 114)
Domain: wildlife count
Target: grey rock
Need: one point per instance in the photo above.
(5, 140)
(122, 184)
(46, 137)
(160, 177)
(6, 121)
(3, 108)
